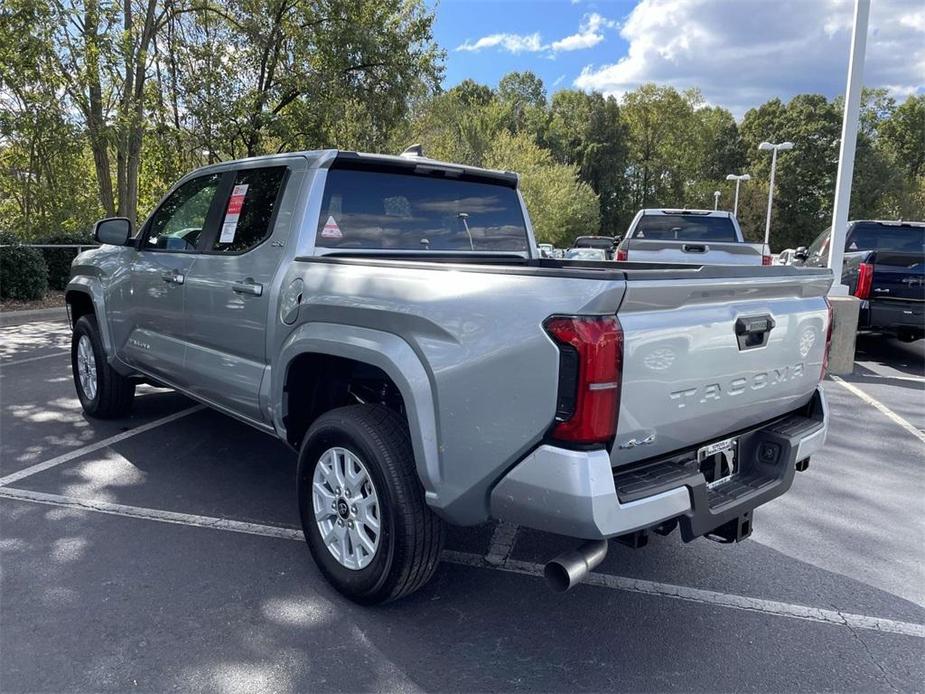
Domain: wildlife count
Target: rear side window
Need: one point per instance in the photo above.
(886, 237)
(685, 227)
(249, 210)
(404, 211)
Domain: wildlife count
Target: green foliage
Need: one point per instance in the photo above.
(58, 260)
(561, 206)
(586, 130)
(23, 274)
(104, 109)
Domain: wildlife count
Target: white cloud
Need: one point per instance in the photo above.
(740, 53)
(512, 43)
(590, 33)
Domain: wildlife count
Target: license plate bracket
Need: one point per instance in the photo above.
(719, 461)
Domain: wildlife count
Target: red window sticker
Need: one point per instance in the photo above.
(331, 230)
(233, 213)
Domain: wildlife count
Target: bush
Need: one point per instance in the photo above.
(23, 274)
(59, 260)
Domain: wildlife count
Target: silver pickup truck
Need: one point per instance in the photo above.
(705, 237)
(391, 320)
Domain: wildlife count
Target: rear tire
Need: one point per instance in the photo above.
(103, 392)
(402, 540)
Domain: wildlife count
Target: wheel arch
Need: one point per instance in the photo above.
(323, 350)
(83, 296)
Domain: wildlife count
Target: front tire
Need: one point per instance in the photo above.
(362, 505)
(102, 391)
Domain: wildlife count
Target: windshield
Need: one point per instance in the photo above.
(405, 211)
(685, 227)
(886, 237)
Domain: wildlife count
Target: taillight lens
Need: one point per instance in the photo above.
(865, 280)
(590, 367)
(623, 254)
(828, 338)
(765, 260)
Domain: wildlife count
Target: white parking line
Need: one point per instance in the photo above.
(908, 426)
(14, 362)
(77, 452)
(888, 377)
(632, 585)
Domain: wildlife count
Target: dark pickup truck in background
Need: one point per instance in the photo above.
(885, 268)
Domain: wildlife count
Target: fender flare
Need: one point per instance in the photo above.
(399, 362)
(91, 287)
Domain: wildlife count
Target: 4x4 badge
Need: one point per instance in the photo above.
(632, 443)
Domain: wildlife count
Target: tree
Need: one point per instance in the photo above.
(903, 135)
(722, 150)
(586, 130)
(561, 205)
(805, 180)
(663, 144)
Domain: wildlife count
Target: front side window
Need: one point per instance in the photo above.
(685, 227)
(249, 211)
(179, 221)
(405, 211)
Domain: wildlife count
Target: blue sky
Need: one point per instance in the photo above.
(738, 52)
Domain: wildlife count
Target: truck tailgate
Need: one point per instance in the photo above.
(898, 276)
(697, 365)
(700, 252)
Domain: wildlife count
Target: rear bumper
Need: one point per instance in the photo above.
(892, 315)
(577, 493)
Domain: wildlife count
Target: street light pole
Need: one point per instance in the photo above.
(849, 138)
(738, 180)
(715, 199)
(783, 146)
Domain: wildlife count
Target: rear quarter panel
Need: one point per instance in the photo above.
(492, 368)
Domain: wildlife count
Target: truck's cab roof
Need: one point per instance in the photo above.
(325, 158)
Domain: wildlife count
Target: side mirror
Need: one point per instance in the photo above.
(801, 253)
(115, 231)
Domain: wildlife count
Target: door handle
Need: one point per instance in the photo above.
(694, 248)
(247, 286)
(173, 277)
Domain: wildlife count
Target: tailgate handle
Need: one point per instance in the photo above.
(694, 248)
(754, 331)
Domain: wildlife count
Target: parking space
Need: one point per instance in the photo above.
(163, 552)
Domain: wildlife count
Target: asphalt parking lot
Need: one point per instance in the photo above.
(162, 552)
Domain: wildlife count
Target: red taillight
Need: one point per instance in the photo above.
(622, 254)
(590, 367)
(865, 279)
(828, 338)
(765, 260)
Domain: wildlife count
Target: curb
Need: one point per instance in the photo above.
(17, 317)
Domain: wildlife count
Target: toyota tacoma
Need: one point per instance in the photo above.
(390, 318)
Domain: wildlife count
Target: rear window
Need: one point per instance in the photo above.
(399, 211)
(685, 227)
(885, 237)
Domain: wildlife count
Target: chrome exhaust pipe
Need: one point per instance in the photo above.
(570, 568)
